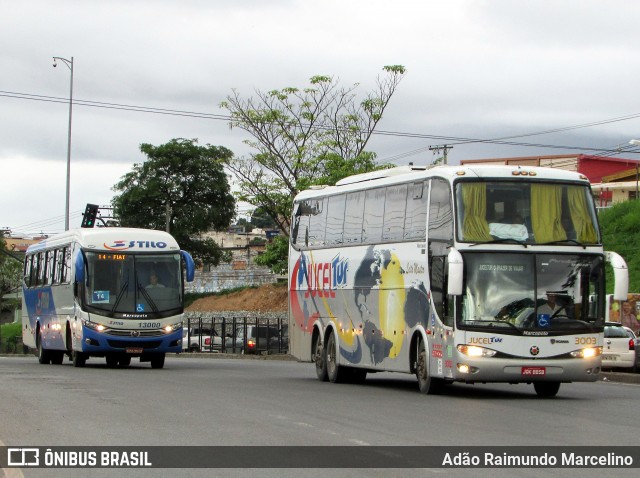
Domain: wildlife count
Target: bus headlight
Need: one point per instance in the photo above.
(475, 351)
(172, 328)
(93, 326)
(589, 352)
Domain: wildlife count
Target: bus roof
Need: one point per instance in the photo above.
(415, 173)
(117, 239)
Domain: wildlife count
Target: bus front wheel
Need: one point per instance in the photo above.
(157, 361)
(112, 360)
(426, 383)
(78, 358)
(546, 389)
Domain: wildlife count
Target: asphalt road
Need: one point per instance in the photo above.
(218, 400)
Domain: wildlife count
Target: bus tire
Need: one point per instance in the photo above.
(44, 356)
(57, 357)
(335, 372)
(320, 358)
(157, 361)
(124, 361)
(78, 358)
(546, 389)
(112, 360)
(426, 383)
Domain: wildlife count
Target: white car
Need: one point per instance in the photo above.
(203, 339)
(619, 350)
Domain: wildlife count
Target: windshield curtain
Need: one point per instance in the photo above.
(521, 292)
(526, 212)
(119, 283)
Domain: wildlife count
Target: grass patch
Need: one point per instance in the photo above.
(8, 334)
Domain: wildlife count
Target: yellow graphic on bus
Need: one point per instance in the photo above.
(391, 305)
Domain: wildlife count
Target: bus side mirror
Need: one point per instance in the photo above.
(190, 266)
(455, 272)
(620, 274)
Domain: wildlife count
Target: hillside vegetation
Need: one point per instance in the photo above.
(620, 227)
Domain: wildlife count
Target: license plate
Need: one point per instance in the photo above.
(534, 371)
(133, 350)
(612, 358)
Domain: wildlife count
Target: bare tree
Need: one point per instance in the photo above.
(307, 136)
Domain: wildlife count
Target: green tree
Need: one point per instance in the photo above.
(10, 271)
(619, 226)
(275, 255)
(262, 220)
(301, 137)
(181, 188)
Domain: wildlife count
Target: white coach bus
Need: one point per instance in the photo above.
(108, 292)
(453, 273)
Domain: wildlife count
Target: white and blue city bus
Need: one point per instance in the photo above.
(467, 274)
(90, 293)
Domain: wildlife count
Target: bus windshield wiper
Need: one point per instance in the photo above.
(564, 241)
(120, 293)
(502, 241)
(494, 323)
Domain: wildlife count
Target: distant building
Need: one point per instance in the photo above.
(241, 270)
(21, 243)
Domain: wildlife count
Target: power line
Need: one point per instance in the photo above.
(450, 140)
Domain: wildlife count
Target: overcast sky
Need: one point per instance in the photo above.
(475, 69)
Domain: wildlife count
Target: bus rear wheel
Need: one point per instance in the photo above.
(335, 372)
(320, 359)
(426, 383)
(546, 389)
(57, 357)
(44, 357)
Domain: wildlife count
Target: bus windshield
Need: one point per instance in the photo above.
(532, 293)
(119, 283)
(526, 212)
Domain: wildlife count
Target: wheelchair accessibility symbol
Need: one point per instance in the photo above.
(140, 308)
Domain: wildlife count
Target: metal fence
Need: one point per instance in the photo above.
(236, 334)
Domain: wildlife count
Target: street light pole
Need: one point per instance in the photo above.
(69, 64)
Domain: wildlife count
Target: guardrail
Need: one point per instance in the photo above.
(236, 334)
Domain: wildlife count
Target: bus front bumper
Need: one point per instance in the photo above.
(522, 370)
(96, 342)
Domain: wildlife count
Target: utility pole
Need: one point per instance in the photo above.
(444, 149)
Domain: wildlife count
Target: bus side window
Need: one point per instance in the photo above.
(317, 223)
(41, 269)
(27, 270)
(373, 216)
(335, 220)
(440, 213)
(415, 224)
(300, 225)
(65, 264)
(353, 218)
(394, 213)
